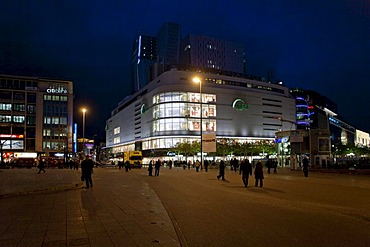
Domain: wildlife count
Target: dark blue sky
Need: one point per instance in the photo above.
(318, 45)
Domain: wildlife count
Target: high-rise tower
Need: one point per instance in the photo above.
(144, 55)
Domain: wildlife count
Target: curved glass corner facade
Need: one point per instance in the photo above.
(180, 111)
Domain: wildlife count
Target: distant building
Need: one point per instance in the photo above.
(36, 116)
(168, 43)
(151, 55)
(144, 55)
(208, 52)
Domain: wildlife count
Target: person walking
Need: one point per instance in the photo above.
(150, 168)
(245, 170)
(275, 166)
(221, 170)
(305, 165)
(157, 166)
(197, 165)
(268, 165)
(258, 174)
(41, 165)
(206, 164)
(87, 166)
(127, 165)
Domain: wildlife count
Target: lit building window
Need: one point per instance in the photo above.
(116, 140)
(5, 107)
(117, 130)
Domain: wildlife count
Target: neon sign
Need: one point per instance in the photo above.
(240, 105)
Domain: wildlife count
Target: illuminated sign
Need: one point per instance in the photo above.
(240, 105)
(59, 89)
(11, 136)
(143, 109)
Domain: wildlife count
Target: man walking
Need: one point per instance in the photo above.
(41, 165)
(157, 166)
(245, 170)
(306, 164)
(87, 166)
(221, 170)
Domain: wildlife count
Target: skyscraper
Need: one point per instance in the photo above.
(144, 55)
(168, 43)
(208, 52)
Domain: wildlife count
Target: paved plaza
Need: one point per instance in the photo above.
(182, 208)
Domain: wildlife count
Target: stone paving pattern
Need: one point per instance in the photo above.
(54, 209)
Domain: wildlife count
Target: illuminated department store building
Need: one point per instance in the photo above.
(167, 111)
(36, 116)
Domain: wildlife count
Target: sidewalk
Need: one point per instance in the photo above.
(55, 209)
(14, 182)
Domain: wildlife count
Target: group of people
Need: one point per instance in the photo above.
(126, 165)
(157, 167)
(245, 170)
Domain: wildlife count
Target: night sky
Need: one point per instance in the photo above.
(317, 45)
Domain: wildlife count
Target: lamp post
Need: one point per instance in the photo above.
(197, 80)
(83, 128)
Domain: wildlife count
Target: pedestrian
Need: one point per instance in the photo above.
(258, 174)
(189, 164)
(127, 165)
(305, 165)
(221, 170)
(206, 164)
(268, 165)
(150, 168)
(245, 170)
(197, 165)
(87, 166)
(275, 166)
(157, 166)
(41, 165)
(170, 164)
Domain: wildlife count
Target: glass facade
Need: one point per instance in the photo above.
(174, 111)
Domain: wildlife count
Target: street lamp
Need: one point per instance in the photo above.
(197, 80)
(83, 128)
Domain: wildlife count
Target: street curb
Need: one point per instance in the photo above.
(44, 191)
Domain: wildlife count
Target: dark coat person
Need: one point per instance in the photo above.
(87, 166)
(221, 170)
(245, 170)
(258, 174)
(305, 165)
(41, 165)
(127, 165)
(150, 168)
(157, 166)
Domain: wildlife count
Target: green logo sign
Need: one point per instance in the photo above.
(240, 105)
(143, 109)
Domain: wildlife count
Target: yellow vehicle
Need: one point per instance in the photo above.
(134, 157)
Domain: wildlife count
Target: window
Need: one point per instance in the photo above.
(47, 120)
(5, 118)
(5, 107)
(116, 140)
(31, 98)
(18, 119)
(47, 97)
(46, 132)
(31, 121)
(18, 107)
(31, 109)
(18, 96)
(117, 130)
